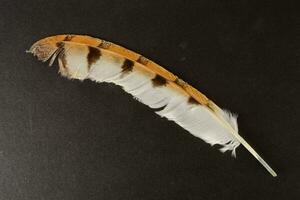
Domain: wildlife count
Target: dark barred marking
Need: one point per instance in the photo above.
(60, 44)
(158, 81)
(192, 100)
(93, 55)
(104, 44)
(127, 66)
(69, 37)
(142, 60)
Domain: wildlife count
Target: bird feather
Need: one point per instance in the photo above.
(83, 57)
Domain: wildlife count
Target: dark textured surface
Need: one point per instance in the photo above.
(62, 139)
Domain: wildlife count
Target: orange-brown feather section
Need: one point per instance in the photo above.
(174, 81)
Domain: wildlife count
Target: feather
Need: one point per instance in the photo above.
(84, 57)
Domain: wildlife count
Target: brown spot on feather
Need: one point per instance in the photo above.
(104, 44)
(159, 81)
(93, 55)
(142, 60)
(127, 66)
(192, 100)
(60, 44)
(69, 37)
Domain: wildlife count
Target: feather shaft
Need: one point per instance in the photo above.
(246, 145)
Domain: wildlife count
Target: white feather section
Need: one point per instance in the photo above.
(196, 119)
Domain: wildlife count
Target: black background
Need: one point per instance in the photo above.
(62, 139)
